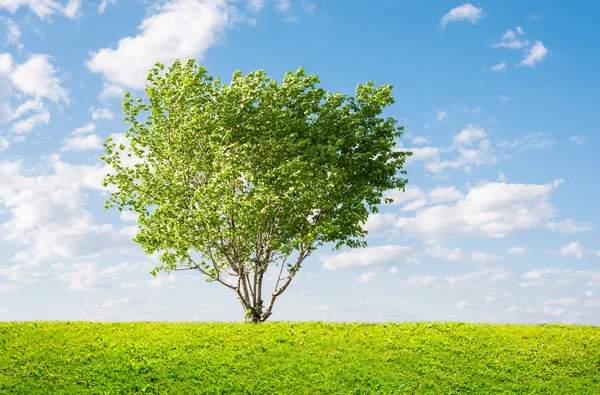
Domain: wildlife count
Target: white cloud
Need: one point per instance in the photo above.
(568, 301)
(466, 12)
(482, 257)
(447, 254)
(425, 154)
(89, 128)
(573, 249)
(580, 139)
(283, 5)
(489, 210)
(534, 54)
(13, 33)
(101, 113)
(462, 304)
(36, 77)
(499, 67)
(510, 40)
(380, 224)
(520, 30)
(589, 294)
(47, 214)
(366, 277)
(444, 195)
(177, 29)
(474, 278)
(128, 216)
(103, 4)
(393, 270)
(28, 124)
(592, 303)
(420, 281)
(370, 256)
(43, 8)
(88, 277)
(441, 115)
(536, 140)
(469, 134)
(83, 143)
(420, 140)
(471, 280)
(553, 311)
(408, 195)
(117, 302)
(111, 91)
(569, 226)
(518, 250)
(539, 277)
(170, 281)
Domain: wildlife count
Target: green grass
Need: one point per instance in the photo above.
(298, 358)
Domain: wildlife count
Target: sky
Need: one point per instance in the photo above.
(499, 100)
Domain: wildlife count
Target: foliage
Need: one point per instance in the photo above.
(297, 358)
(229, 179)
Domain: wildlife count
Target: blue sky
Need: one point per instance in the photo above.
(499, 103)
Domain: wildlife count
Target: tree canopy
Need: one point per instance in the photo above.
(231, 179)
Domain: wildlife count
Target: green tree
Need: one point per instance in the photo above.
(230, 179)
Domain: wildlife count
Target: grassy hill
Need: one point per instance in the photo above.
(298, 358)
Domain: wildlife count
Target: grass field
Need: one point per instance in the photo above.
(298, 358)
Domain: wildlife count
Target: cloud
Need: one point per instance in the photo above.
(441, 115)
(444, 195)
(568, 226)
(447, 254)
(535, 140)
(380, 224)
(82, 143)
(420, 281)
(462, 304)
(534, 54)
(595, 303)
(13, 33)
(553, 311)
(371, 256)
(538, 277)
(164, 282)
(510, 40)
(366, 277)
(482, 257)
(117, 302)
(47, 215)
(283, 5)
(111, 91)
(88, 276)
(518, 250)
(420, 140)
(499, 67)
(565, 302)
(44, 8)
(89, 128)
(28, 124)
(101, 113)
(573, 249)
(466, 12)
(471, 280)
(103, 4)
(578, 139)
(469, 134)
(36, 77)
(177, 29)
(489, 210)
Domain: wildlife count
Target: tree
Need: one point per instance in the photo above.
(231, 179)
